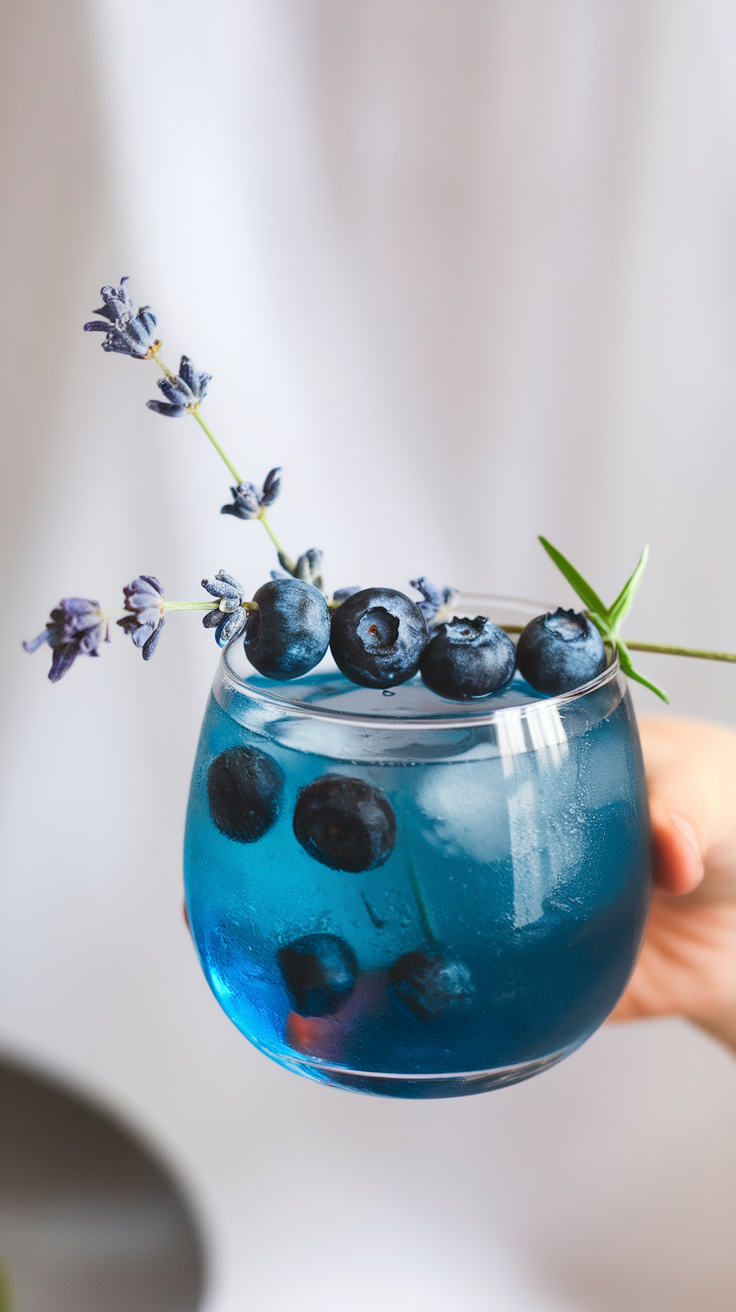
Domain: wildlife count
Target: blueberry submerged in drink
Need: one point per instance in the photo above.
(415, 896)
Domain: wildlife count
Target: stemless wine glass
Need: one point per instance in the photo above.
(410, 896)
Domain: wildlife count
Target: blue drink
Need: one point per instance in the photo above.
(500, 921)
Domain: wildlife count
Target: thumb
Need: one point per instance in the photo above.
(676, 848)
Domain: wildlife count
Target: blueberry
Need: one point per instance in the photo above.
(561, 651)
(467, 658)
(319, 973)
(432, 982)
(294, 630)
(244, 788)
(378, 636)
(346, 824)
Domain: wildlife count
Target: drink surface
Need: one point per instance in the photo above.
(521, 854)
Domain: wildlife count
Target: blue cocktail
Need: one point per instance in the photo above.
(483, 911)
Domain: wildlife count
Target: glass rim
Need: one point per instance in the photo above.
(365, 720)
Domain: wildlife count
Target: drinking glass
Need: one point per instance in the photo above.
(491, 918)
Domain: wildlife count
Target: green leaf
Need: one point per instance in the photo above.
(624, 601)
(5, 1295)
(607, 621)
(583, 589)
(602, 626)
(630, 672)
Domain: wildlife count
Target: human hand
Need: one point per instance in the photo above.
(688, 963)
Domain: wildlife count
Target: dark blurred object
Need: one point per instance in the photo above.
(89, 1220)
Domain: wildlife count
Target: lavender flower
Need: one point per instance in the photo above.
(144, 598)
(308, 567)
(227, 588)
(248, 502)
(230, 619)
(76, 628)
(271, 486)
(129, 332)
(433, 598)
(232, 625)
(183, 392)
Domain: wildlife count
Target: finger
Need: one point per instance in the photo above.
(687, 966)
(691, 777)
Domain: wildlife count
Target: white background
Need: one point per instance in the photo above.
(466, 269)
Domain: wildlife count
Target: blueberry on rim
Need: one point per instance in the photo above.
(294, 629)
(378, 636)
(560, 651)
(346, 824)
(467, 658)
(319, 973)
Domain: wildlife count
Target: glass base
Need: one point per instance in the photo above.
(455, 1085)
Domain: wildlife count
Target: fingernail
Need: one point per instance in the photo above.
(684, 828)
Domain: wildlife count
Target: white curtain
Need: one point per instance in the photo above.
(466, 269)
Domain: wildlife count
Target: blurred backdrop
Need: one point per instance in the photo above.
(467, 270)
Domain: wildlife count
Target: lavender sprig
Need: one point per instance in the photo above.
(131, 332)
(78, 626)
